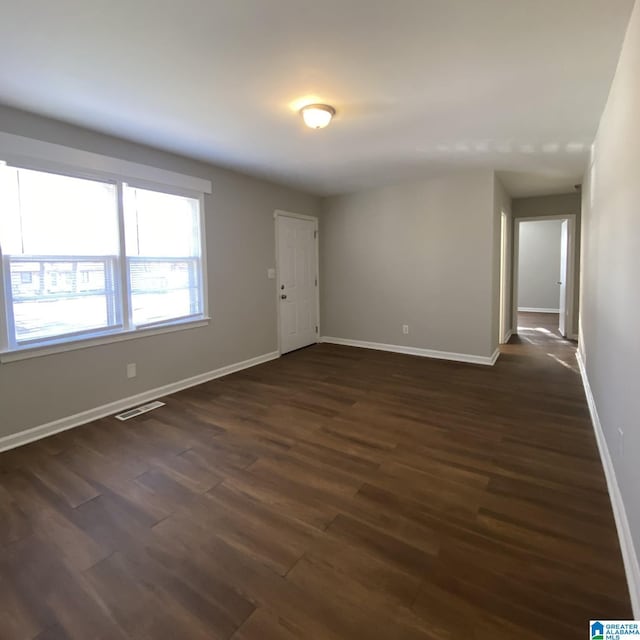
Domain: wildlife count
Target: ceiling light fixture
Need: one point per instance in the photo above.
(317, 116)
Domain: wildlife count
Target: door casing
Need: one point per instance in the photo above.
(570, 281)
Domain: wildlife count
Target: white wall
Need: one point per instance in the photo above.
(421, 253)
(539, 265)
(610, 307)
(240, 248)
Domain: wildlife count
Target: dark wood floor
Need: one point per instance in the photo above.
(334, 493)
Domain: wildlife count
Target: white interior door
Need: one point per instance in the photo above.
(297, 281)
(564, 269)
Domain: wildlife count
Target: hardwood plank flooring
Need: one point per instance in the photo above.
(334, 493)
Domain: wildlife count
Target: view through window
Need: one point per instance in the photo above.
(77, 264)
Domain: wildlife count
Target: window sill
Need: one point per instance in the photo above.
(37, 352)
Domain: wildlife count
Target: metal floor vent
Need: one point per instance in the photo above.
(136, 411)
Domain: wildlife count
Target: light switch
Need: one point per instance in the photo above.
(271, 273)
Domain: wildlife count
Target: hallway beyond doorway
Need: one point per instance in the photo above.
(539, 323)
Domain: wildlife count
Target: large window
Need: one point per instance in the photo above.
(84, 257)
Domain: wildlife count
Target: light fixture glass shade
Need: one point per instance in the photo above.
(317, 116)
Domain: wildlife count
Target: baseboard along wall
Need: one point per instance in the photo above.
(629, 556)
(538, 310)
(415, 351)
(36, 433)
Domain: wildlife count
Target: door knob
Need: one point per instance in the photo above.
(283, 296)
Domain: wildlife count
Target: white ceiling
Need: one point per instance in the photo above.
(420, 86)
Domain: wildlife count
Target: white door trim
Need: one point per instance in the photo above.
(277, 215)
(505, 257)
(289, 214)
(571, 255)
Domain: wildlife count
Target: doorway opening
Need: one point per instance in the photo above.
(544, 271)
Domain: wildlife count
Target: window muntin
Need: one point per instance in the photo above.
(85, 257)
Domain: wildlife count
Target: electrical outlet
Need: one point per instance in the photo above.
(620, 442)
(131, 370)
(405, 329)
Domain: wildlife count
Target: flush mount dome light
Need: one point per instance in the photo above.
(317, 116)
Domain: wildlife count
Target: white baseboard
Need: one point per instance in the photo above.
(42, 431)
(415, 351)
(507, 336)
(538, 310)
(629, 556)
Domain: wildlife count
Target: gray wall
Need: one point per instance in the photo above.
(420, 253)
(610, 308)
(556, 205)
(240, 248)
(539, 264)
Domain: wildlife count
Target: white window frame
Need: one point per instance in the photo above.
(43, 156)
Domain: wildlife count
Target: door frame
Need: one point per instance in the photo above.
(571, 257)
(278, 214)
(505, 330)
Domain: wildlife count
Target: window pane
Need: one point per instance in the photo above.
(59, 238)
(54, 215)
(163, 255)
(161, 225)
(53, 298)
